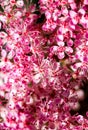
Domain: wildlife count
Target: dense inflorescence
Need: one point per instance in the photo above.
(43, 62)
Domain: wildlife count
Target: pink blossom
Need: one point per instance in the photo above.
(43, 64)
(19, 3)
(86, 2)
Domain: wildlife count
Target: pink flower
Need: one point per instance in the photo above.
(85, 2)
(43, 62)
(19, 3)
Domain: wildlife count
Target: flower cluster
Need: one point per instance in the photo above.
(43, 61)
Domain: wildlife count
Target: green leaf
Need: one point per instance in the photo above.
(30, 84)
(34, 1)
(27, 3)
(1, 9)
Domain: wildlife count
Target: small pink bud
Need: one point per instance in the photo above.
(73, 14)
(80, 94)
(3, 53)
(85, 2)
(60, 43)
(19, 3)
(60, 37)
(61, 55)
(70, 1)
